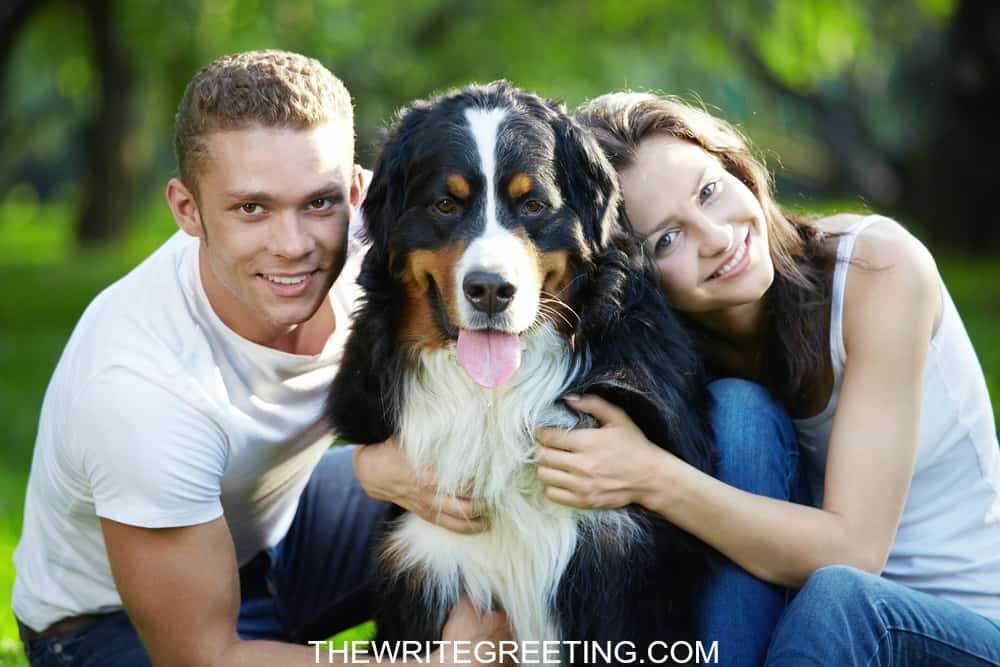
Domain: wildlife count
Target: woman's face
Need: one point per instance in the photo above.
(704, 228)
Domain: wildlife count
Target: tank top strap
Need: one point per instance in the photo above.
(845, 250)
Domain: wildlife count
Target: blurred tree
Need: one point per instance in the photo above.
(886, 102)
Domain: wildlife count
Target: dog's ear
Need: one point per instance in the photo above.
(362, 406)
(383, 202)
(643, 360)
(590, 180)
(364, 397)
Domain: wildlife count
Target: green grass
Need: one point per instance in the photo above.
(47, 286)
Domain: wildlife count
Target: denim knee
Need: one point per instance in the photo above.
(837, 586)
(755, 438)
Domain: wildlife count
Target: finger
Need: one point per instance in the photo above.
(564, 497)
(559, 478)
(595, 406)
(458, 524)
(556, 458)
(459, 507)
(558, 438)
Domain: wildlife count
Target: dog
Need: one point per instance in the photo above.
(500, 277)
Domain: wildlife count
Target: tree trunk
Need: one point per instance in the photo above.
(110, 178)
(956, 179)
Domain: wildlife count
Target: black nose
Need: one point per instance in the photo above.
(488, 292)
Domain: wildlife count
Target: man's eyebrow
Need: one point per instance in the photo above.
(329, 190)
(248, 195)
(667, 221)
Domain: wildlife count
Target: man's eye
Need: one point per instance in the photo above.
(665, 241)
(446, 206)
(251, 209)
(707, 191)
(321, 204)
(533, 207)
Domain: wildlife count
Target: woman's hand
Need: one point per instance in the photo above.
(385, 474)
(598, 468)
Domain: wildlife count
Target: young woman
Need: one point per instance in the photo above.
(850, 354)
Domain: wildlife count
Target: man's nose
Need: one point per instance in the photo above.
(289, 237)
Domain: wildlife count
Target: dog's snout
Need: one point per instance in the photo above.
(489, 293)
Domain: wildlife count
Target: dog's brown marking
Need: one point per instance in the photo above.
(458, 186)
(520, 185)
(557, 274)
(422, 266)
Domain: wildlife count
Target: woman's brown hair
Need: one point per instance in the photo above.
(797, 336)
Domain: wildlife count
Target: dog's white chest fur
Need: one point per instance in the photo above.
(481, 440)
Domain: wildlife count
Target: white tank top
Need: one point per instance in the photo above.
(948, 540)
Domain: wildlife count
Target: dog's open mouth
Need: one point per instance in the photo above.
(489, 356)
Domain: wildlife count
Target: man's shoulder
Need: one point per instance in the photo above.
(147, 317)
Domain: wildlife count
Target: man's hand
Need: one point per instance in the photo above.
(385, 474)
(465, 624)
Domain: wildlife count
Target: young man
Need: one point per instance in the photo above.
(182, 472)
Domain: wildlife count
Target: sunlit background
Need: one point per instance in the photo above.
(856, 104)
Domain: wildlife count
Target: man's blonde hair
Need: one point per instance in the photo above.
(256, 88)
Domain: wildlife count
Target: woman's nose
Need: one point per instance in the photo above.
(717, 238)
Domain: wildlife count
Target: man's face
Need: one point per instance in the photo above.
(274, 206)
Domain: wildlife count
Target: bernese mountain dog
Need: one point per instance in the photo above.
(501, 276)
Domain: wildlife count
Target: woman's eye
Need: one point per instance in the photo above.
(251, 209)
(707, 191)
(664, 242)
(533, 207)
(446, 206)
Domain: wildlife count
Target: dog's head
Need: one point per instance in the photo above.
(491, 212)
(485, 205)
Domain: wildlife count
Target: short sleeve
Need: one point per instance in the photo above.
(151, 458)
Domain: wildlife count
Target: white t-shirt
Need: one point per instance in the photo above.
(159, 415)
(948, 540)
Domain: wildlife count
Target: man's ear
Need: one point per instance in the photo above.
(358, 185)
(184, 207)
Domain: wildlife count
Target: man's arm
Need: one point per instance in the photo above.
(180, 587)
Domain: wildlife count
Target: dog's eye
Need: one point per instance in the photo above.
(533, 208)
(446, 206)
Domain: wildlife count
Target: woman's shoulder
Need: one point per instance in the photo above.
(890, 269)
(882, 245)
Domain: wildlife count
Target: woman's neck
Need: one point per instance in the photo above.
(739, 325)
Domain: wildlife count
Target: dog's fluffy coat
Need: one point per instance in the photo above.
(494, 180)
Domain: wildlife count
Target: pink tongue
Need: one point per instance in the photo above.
(489, 357)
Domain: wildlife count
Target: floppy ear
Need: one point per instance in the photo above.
(589, 179)
(642, 359)
(364, 397)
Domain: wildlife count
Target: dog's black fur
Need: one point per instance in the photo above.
(640, 357)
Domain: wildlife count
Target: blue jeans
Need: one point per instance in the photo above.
(846, 617)
(842, 616)
(759, 454)
(314, 583)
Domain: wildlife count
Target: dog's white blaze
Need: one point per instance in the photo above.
(484, 124)
(497, 250)
(472, 437)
